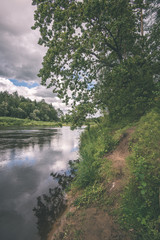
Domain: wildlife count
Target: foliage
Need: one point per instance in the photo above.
(77, 118)
(140, 208)
(79, 114)
(12, 105)
(132, 84)
(98, 54)
(82, 37)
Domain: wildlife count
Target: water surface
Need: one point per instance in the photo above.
(27, 157)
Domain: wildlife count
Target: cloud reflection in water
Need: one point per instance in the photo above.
(26, 161)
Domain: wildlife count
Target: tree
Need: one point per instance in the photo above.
(82, 38)
(4, 108)
(91, 45)
(127, 90)
(153, 15)
(12, 105)
(35, 115)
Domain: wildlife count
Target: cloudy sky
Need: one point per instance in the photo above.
(20, 55)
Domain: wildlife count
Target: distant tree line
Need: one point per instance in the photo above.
(13, 105)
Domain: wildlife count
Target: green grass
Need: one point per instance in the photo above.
(91, 195)
(94, 144)
(140, 205)
(9, 121)
(93, 169)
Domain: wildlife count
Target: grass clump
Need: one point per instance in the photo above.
(91, 194)
(95, 143)
(140, 205)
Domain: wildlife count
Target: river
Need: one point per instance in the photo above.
(27, 157)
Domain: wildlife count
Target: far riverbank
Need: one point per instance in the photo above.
(10, 121)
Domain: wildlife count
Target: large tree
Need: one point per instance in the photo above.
(96, 52)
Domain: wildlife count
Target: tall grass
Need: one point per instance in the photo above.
(93, 145)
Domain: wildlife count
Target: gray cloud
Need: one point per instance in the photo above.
(37, 93)
(20, 55)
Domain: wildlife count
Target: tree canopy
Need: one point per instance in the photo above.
(102, 53)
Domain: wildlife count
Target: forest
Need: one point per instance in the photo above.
(13, 105)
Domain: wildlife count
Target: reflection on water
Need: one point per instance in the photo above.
(27, 157)
(50, 206)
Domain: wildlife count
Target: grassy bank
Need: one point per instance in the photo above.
(140, 208)
(93, 168)
(9, 121)
(135, 204)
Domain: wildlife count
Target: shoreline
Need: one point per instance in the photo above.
(70, 220)
(18, 122)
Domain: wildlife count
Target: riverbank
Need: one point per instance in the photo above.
(9, 121)
(115, 194)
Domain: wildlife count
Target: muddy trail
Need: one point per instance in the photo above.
(96, 223)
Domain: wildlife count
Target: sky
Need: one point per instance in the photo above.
(20, 55)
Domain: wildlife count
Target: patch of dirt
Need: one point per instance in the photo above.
(60, 223)
(89, 224)
(118, 157)
(94, 223)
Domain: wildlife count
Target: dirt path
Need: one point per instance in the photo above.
(118, 158)
(119, 155)
(94, 223)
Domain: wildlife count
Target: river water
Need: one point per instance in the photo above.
(27, 157)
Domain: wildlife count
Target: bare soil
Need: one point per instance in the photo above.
(94, 223)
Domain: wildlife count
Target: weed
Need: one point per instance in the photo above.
(90, 195)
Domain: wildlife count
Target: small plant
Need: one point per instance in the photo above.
(90, 195)
(70, 214)
(78, 234)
